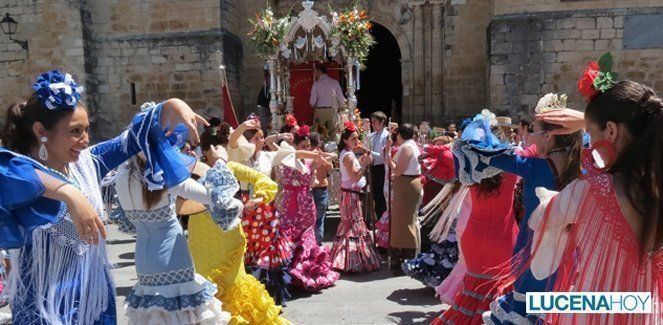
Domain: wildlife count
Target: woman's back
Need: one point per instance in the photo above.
(494, 207)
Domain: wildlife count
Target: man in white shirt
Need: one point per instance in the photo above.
(326, 97)
(377, 142)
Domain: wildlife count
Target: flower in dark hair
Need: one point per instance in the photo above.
(304, 131)
(597, 77)
(586, 82)
(349, 126)
(57, 91)
(290, 120)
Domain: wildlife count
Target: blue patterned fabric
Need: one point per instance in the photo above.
(57, 91)
(25, 310)
(225, 208)
(172, 304)
(474, 150)
(22, 207)
(165, 166)
(432, 267)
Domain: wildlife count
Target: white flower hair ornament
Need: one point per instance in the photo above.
(551, 102)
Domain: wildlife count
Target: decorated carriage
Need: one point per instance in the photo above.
(293, 45)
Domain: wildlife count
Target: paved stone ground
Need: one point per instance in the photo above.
(373, 298)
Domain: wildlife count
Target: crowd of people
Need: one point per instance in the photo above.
(484, 213)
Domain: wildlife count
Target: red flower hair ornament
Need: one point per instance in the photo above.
(597, 77)
(290, 120)
(349, 126)
(304, 131)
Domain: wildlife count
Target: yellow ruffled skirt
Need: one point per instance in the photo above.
(219, 256)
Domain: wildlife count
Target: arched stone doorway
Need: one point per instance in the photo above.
(381, 81)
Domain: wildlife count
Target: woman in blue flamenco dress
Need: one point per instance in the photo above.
(50, 201)
(557, 164)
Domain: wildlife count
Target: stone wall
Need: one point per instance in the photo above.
(54, 35)
(533, 54)
(502, 7)
(158, 48)
(465, 63)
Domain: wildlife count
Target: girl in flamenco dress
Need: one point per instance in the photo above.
(311, 267)
(490, 234)
(353, 249)
(602, 232)
(51, 199)
(269, 251)
(557, 165)
(219, 254)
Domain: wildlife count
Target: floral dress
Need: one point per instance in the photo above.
(311, 265)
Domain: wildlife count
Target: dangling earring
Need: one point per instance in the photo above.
(610, 151)
(43, 154)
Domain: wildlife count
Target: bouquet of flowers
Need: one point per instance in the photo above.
(352, 28)
(268, 33)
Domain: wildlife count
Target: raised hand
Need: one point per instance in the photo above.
(251, 124)
(176, 111)
(570, 120)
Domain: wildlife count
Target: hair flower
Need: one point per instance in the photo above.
(304, 131)
(597, 77)
(349, 126)
(57, 91)
(290, 120)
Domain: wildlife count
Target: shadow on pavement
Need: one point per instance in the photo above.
(123, 291)
(412, 317)
(127, 256)
(415, 297)
(120, 265)
(120, 241)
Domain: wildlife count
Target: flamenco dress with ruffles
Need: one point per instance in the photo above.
(169, 291)
(486, 245)
(353, 249)
(219, 256)
(435, 264)
(60, 279)
(268, 252)
(311, 267)
(490, 234)
(535, 173)
(581, 236)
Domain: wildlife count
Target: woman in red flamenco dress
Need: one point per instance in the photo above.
(487, 245)
(604, 232)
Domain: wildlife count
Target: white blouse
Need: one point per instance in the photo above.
(130, 191)
(345, 176)
(413, 167)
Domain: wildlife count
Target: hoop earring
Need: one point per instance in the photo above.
(43, 153)
(612, 155)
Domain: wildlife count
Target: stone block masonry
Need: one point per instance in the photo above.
(535, 53)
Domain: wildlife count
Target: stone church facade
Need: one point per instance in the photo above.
(456, 56)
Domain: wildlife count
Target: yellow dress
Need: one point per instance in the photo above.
(219, 256)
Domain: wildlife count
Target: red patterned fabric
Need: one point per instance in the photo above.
(353, 249)
(265, 247)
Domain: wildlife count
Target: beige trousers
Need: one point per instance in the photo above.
(328, 117)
